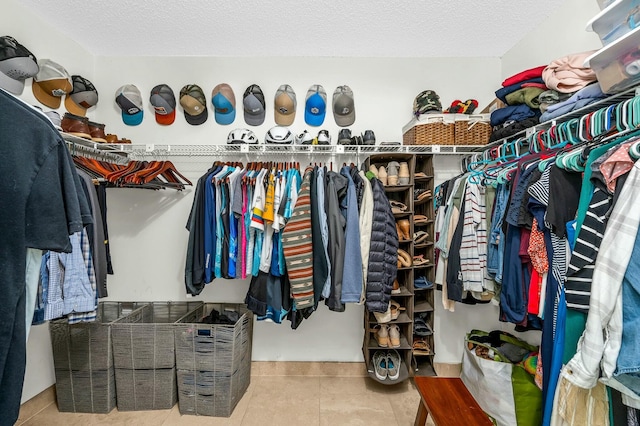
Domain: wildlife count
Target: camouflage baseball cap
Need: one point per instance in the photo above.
(427, 102)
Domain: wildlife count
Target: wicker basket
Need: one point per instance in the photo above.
(472, 129)
(85, 391)
(146, 389)
(146, 341)
(83, 359)
(432, 130)
(213, 361)
(87, 346)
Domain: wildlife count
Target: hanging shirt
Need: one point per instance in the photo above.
(473, 248)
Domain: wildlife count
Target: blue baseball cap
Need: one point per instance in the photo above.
(315, 106)
(129, 100)
(224, 104)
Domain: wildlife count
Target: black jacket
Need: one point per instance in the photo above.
(383, 252)
(336, 190)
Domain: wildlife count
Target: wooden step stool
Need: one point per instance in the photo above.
(449, 402)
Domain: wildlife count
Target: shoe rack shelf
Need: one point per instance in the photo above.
(405, 297)
(423, 300)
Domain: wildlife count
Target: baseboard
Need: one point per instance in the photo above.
(308, 368)
(36, 404)
(447, 370)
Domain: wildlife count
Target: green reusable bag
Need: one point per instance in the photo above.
(502, 387)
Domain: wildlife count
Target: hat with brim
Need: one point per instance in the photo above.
(50, 92)
(83, 96)
(17, 64)
(10, 85)
(285, 106)
(164, 104)
(51, 83)
(194, 111)
(224, 104)
(315, 107)
(129, 100)
(344, 111)
(254, 105)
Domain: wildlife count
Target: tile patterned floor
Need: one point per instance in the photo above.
(275, 400)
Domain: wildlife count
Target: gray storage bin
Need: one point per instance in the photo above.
(146, 341)
(87, 346)
(85, 391)
(213, 361)
(83, 359)
(146, 389)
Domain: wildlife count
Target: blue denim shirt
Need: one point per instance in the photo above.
(628, 363)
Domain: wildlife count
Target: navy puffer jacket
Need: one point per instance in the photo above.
(383, 251)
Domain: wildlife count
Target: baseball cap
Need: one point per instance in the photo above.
(164, 102)
(194, 104)
(51, 83)
(254, 106)
(129, 99)
(16, 65)
(285, 105)
(83, 96)
(224, 104)
(344, 110)
(315, 106)
(427, 102)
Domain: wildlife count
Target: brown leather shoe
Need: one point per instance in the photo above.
(76, 125)
(111, 138)
(405, 228)
(97, 132)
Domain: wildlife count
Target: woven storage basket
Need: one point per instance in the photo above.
(83, 360)
(430, 130)
(472, 129)
(85, 391)
(87, 346)
(213, 361)
(146, 341)
(153, 389)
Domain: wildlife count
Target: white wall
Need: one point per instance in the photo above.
(45, 43)
(560, 34)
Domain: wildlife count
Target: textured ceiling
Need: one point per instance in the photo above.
(358, 28)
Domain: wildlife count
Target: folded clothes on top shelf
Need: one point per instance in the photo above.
(511, 113)
(581, 98)
(568, 74)
(513, 128)
(526, 95)
(502, 92)
(550, 97)
(524, 75)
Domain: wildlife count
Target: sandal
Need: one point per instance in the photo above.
(420, 237)
(422, 283)
(421, 328)
(396, 309)
(420, 219)
(404, 260)
(420, 346)
(396, 287)
(419, 260)
(421, 194)
(420, 175)
(397, 206)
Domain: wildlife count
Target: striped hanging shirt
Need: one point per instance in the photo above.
(298, 249)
